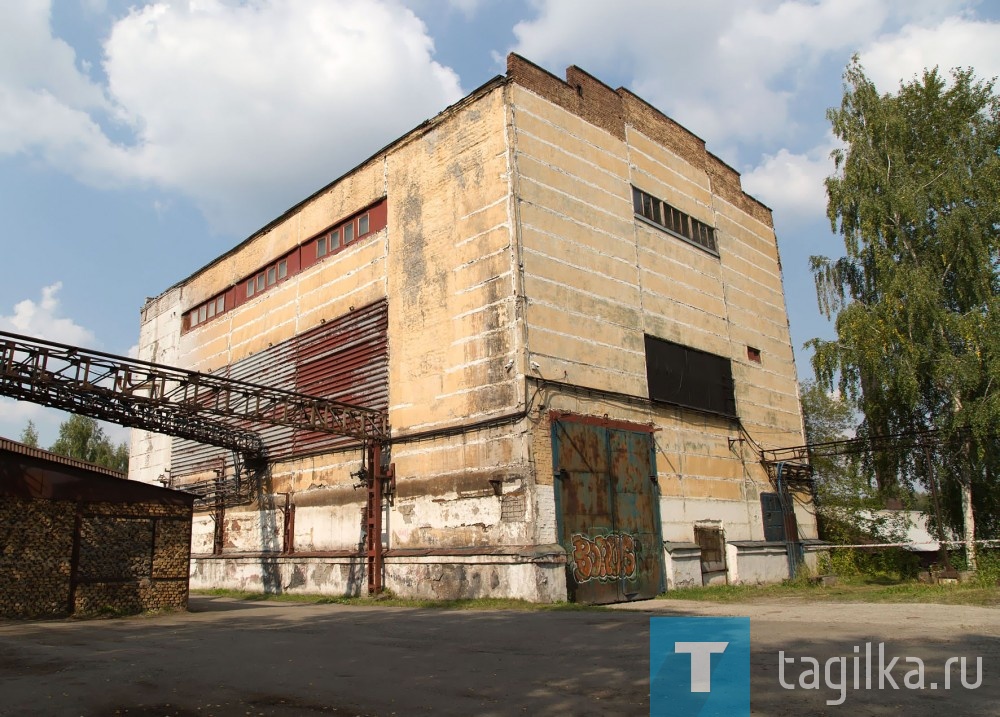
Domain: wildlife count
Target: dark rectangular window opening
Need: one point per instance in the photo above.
(753, 354)
(674, 220)
(688, 377)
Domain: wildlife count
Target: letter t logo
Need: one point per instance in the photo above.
(701, 661)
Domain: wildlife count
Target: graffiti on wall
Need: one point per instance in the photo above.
(605, 557)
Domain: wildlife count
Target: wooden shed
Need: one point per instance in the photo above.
(80, 539)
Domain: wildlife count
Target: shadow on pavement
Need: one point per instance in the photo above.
(235, 658)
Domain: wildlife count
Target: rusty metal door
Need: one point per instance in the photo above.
(607, 507)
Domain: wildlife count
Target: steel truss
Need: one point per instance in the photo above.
(200, 407)
(169, 400)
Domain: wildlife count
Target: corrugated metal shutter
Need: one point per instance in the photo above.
(345, 359)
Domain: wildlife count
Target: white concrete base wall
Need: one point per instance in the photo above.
(435, 577)
(480, 577)
(758, 565)
(683, 569)
(280, 574)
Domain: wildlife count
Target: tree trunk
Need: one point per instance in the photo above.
(968, 523)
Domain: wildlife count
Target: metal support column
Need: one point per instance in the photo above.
(381, 484)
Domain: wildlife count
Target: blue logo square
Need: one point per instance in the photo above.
(699, 666)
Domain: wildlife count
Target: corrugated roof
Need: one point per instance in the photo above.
(25, 450)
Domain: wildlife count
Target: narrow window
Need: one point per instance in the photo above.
(334, 239)
(270, 276)
(260, 282)
(651, 208)
(211, 309)
(220, 304)
(282, 269)
(362, 225)
(348, 233)
(250, 288)
(674, 220)
(193, 318)
(202, 314)
(320, 247)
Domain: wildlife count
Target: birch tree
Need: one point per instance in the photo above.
(916, 197)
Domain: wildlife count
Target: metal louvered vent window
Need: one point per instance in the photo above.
(674, 220)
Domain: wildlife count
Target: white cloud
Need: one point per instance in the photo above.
(43, 320)
(956, 42)
(33, 60)
(792, 183)
(14, 417)
(242, 107)
(467, 7)
(728, 71)
(48, 104)
(714, 66)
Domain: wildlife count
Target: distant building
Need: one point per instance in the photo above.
(572, 314)
(80, 539)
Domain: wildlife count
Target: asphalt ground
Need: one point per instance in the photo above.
(228, 657)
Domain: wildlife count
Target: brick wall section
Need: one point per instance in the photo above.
(613, 110)
(130, 557)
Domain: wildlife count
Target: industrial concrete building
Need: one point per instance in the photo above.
(80, 539)
(574, 319)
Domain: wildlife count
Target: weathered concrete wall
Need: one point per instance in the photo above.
(159, 336)
(511, 253)
(130, 557)
(446, 261)
(597, 279)
(682, 566)
(767, 563)
(527, 576)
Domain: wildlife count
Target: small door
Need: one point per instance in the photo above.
(774, 520)
(607, 510)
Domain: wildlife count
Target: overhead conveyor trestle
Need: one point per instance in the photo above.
(169, 400)
(198, 406)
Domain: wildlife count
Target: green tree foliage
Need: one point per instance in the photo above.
(847, 501)
(916, 196)
(828, 418)
(83, 438)
(29, 436)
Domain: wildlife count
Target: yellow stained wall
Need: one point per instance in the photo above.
(446, 262)
(597, 279)
(510, 191)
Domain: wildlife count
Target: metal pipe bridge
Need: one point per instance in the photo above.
(198, 406)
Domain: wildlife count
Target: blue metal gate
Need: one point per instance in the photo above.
(607, 506)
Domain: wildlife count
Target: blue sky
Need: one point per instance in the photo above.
(140, 140)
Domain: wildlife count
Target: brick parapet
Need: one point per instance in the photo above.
(615, 110)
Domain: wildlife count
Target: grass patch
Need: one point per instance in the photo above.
(392, 601)
(879, 589)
